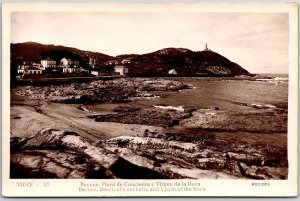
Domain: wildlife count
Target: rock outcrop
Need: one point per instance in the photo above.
(114, 91)
(152, 117)
(55, 153)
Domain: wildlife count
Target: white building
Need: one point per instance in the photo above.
(69, 62)
(92, 62)
(33, 71)
(172, 72)
(122, 70)
(21, 68)
(95, 72)
(69, 70)
(48, 63)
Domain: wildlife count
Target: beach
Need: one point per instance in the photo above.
(170, 128)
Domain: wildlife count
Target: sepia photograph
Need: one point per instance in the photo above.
(150, 95)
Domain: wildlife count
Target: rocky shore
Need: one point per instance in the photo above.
(64, 154)
(55, 133)
(112, 91)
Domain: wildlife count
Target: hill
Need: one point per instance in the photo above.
(179, 61)
(185, 62)
(34, 52)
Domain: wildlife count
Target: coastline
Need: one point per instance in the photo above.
(68, 80)
(142, 137)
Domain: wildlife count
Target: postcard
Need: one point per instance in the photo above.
(149, 99)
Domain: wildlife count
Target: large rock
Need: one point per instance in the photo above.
(246, 158)
(152, 117)
(251, 172)
(233, 167)
(56, 164)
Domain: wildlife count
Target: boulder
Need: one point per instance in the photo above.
(56, 164)
(251, 172)
(233, 167)
(251, 159)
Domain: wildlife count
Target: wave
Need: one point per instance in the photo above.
(274, 79)
(168, 107)
(281, 78)
(255, 105)
(262, 106)
(145, 97)
(190, 88)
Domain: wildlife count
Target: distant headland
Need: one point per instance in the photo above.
(31, 59)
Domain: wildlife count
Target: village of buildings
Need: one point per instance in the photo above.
(69, 67)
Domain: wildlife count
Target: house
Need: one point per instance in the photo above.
(172, 72)
(72, 69)
(95, 72)
(92, 62)
(69, 62)
(48, 63)
(64, 62)
(69, 70)
(122, 70)
(21, 68)
(33, 71)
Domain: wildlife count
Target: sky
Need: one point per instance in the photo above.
(256, 41)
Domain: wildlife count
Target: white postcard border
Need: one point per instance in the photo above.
(70, 188)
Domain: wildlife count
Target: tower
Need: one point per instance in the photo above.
(206, 48)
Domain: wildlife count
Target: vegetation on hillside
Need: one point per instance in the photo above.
(183, 62)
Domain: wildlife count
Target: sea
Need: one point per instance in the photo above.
(226, 94)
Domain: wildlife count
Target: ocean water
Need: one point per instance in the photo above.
(282, 75)
(225, 94)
